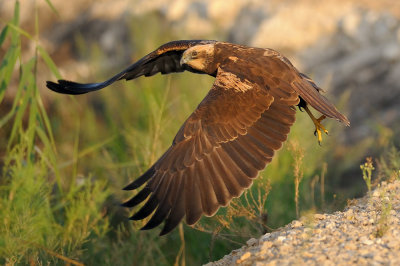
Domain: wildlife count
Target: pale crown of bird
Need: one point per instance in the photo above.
(200, 57)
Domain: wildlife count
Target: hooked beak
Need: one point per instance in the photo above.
(184, 59)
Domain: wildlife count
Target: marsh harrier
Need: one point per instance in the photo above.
(231, 136)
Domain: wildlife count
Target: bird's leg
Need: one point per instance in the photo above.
(317, 122)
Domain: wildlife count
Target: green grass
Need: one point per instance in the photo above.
(63, 166)
(45, 213)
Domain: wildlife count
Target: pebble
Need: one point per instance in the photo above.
(296, 224)
(281, 238)
(244, 257)
(267, 244)
(349, 212)
(330, 225)
(252, 242)
(368, 242)
(319, 216)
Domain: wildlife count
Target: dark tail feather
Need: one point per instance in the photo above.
(311, 95)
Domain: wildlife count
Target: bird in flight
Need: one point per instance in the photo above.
(231, 136)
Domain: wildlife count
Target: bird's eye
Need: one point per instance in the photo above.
(194, 54)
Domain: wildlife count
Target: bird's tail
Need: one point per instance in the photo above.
(310, 92)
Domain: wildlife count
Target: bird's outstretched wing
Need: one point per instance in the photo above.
(216, 154)
(165, 59)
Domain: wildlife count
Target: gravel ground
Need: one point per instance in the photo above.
(365, 233)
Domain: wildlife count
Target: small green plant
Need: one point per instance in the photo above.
(367, 169)
(389, 165)
(386, 207)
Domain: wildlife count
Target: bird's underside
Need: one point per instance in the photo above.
(231, 136)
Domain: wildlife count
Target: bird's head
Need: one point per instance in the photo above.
(200, 57)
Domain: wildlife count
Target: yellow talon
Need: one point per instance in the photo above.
(318, 126)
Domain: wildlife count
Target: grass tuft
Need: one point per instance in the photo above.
(367, 169)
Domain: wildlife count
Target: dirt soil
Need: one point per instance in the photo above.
(365, 233)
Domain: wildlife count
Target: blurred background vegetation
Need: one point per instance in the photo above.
(64, 159)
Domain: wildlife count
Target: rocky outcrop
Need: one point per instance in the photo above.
(365, 233)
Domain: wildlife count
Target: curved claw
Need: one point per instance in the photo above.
(318, 126)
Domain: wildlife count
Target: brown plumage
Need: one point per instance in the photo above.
(231, 136)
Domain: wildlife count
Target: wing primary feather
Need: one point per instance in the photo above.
(147, 209)
(177, 211)
(164, 206)
(263, 138)
(141, 180)
(239, 160)
(249, 157)
(141, 196)
(209, 200)
(220, 189)
(159, 191)
(234, 177)
(281, 117)
(274, 125)
(276, 136)
(176, 181)
(189, 157)
(268, 152)
(192, 199)
(257, 148)
(158, 217)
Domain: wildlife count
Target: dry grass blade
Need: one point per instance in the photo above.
(298, 155)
